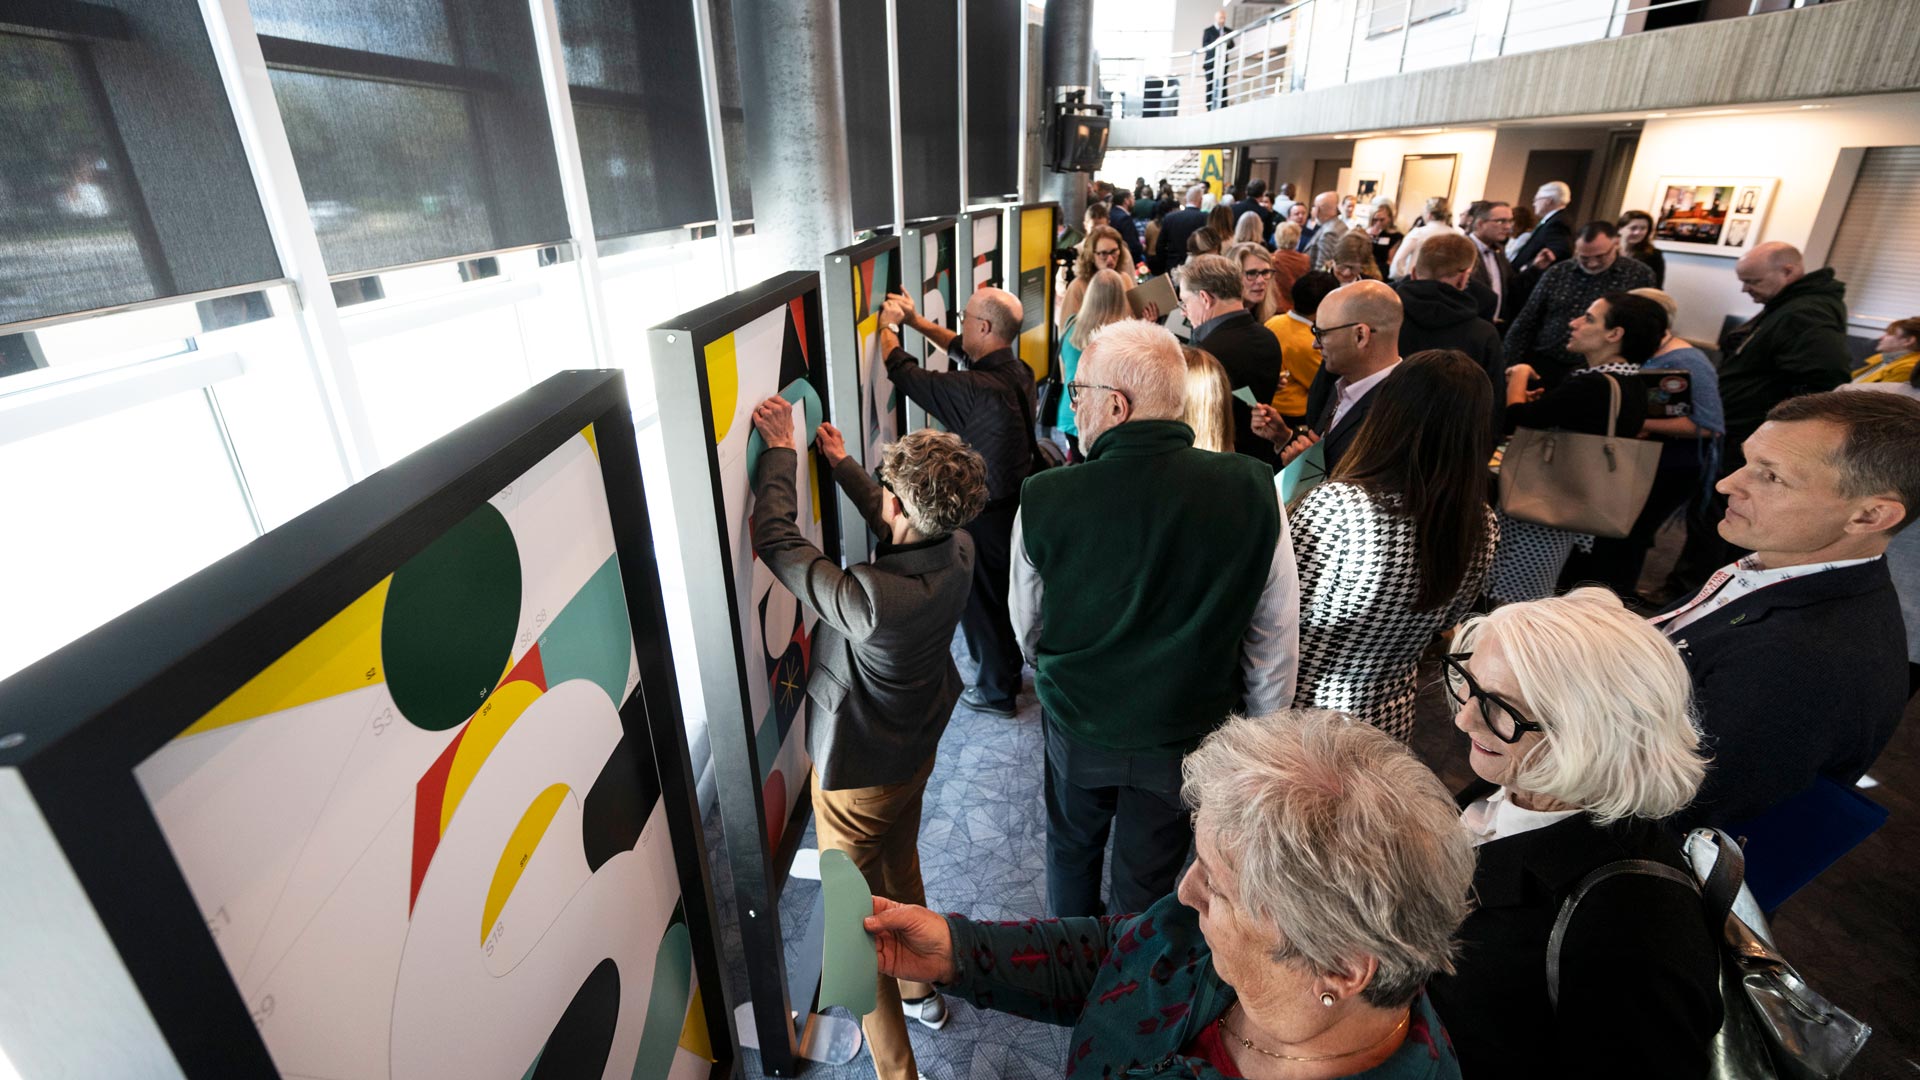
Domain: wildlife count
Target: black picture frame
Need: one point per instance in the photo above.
(841, 290)
(78, 722)
(760, 863)
(918, 275)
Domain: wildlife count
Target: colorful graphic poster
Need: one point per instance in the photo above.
(1715, 215)
(421, 839)
(880, 403)
(986, 250)
(1036, 288)
(773, 354)
(936, 290)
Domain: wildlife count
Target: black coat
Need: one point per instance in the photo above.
(1439, 316)
(1320, 398)
(980, 401)
(1175, 229)
(1508, 296)
(1553, 234)
(1799, 680)
(1639, 970)
(1251, 355)
(1123, 223)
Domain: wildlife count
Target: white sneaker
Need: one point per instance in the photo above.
(929, 1010)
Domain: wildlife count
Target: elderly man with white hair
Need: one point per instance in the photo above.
(1154, 590)
(1551, 240)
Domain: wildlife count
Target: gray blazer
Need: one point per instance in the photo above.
(883, 682)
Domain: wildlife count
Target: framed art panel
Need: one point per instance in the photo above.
(1038, 225)
(1710, 215)
(980, 248)
(928, 261)
(400, 789)
(712, 366)
(854, 283)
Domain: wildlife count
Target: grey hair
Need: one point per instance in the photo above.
(1214, 274)
(1196, 193)
(1562, 194)
(1143, 361)
(1340, 840)
(941, 481)
(1250, 228)
(1002, 317)
(1614, 698)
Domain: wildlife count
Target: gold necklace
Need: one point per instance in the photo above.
(1248, 1043)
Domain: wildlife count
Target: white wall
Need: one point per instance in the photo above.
(1382, 155)
(1509, 166)
(1801, 147)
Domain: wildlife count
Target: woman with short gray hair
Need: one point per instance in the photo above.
(1579, 718)
(1330, 876)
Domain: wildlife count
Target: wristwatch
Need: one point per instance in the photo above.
(891, 328)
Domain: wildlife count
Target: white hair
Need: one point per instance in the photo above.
(1561, 193)
(1143, 361)
(1340, 840)
(1613, 697)
(1195, 194)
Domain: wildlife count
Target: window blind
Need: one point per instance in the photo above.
(996, 36)
(633, 71)
(122, 175)
(1873, 251)
(930, 107)
(419, 127)
(868, 111)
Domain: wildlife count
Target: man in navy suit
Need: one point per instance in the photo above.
(1798, 650)
(1121, 218)
(1357, 329)
(1551, 240)
(1181, 224)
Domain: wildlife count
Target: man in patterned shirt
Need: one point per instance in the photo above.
(1538, 335)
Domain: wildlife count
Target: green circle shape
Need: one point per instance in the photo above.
(451, 616)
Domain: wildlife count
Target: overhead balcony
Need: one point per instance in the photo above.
(1341, 66)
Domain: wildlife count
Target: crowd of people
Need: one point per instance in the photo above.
(1269, 538)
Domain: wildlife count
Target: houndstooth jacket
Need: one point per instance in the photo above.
(1360, 638)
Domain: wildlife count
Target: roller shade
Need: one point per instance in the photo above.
(930, 106)
(996, 35)
(1873, 252)
(869, 113)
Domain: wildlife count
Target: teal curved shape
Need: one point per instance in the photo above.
(666, 1005)
(592, 638)
(797, 391)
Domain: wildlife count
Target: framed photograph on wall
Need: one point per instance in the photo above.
(1710, 215)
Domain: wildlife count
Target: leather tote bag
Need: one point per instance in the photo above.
(1594, 484)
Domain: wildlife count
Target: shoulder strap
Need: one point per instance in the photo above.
(1613, 405)
(1555, 939)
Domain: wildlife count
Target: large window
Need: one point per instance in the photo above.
(419, 126)
(111, 193)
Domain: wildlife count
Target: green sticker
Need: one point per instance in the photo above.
(849, 964)
(1245, 394)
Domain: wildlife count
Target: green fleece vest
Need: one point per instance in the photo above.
(1152, 556)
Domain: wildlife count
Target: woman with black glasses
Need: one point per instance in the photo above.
(1580, 722)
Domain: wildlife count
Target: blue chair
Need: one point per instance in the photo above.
(1796, 841)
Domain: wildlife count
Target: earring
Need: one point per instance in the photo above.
(1327, 1000)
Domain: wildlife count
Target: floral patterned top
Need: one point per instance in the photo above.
(1140, 993)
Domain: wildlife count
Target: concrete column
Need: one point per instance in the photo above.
(1066, 67)
(789, 57)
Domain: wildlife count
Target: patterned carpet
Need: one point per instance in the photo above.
(982, 844)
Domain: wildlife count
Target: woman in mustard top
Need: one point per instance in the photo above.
(1899, 351)
(1299, 359)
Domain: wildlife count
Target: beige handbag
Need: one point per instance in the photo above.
(1594, 484)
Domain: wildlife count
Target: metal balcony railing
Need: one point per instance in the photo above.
(1312, 44)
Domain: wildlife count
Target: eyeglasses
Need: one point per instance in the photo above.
(1074, 389)
(1501, 718)
(1256, 275)
(1319, 332)
(1107, 253)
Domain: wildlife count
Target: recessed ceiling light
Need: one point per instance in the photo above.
(1813, 106)
(1658, 115)
(1423, 131)
(1717, 112)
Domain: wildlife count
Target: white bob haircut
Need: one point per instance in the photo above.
(1613, 697)
(1340, 840)
(1144, 362)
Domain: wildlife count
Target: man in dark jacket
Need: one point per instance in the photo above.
(1155, 590)
(1211, 297)
(1181, 224)
(1489, 223)
(1798, 651)
(988, 401)
(883, 682)
(1440, 314)
(1252, 205)
(1121, 218)
(1796, 345)
(1538, 335)
(1550, 242)
(1215, 56)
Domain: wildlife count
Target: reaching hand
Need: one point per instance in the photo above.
(1545, 259)
(913, 942)
(905, 302)
(1522, 373)
(1268, 425)
(774, 420)
(831, 444)
(1300, 445)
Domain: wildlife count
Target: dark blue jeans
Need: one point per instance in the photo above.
(1092, 793)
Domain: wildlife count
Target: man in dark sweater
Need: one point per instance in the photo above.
(1440, 314)
(1154, 590)
(1796, 650)
(987, 400)
(1538, 335)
